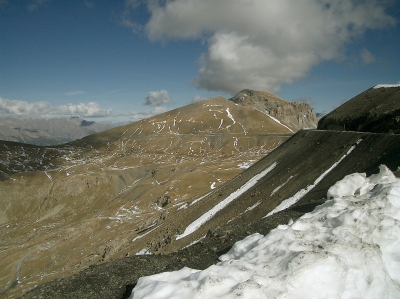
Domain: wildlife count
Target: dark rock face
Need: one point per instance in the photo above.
(375, 110)
(295, 115)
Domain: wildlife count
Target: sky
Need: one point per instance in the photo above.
(125, 60)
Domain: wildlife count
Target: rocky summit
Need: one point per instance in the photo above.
(295, 115)
(67, 207)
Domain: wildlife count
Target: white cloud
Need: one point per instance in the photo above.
(36, 3)
(262, 44)
(126, 17)
(157, 98)
(306, 100)
(135, 116)
(88, 4)
(367, 57)
(197, 98)
(91, 109)
(16, 107)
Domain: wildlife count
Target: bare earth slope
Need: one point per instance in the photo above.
(295, 116)
(47, 131)
(67, 207)
(310, 161)
(374, 110)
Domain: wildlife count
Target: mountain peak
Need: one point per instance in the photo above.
(294, 115)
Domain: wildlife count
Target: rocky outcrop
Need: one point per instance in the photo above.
(295, 115)
(375, 110)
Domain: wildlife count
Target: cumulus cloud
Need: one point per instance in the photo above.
(16, 107)
(262, 44)
(197, 98)
(367, 57)
(157, 98)
(306, 100)
(135, 116)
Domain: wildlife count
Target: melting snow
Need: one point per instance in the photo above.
(279, 187)
(244, 165)
(348, 247)
(273, 118)
(231, 117)
(208, 215)
(295, 198)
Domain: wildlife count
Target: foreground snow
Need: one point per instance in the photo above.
(348, 247)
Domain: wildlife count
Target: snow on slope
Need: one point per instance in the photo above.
(218, 207)
(348, 247)
(302, 192)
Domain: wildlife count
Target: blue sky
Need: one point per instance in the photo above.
(125, 60)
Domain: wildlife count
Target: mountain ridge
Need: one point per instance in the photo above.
(375, 110)
(44, 131)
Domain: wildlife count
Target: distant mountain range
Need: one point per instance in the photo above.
(43, 131)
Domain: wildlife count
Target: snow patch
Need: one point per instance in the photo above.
(231, 117)
(386, 86)
(300, 194)
(208, 215)
(273, 118)
(279, 187)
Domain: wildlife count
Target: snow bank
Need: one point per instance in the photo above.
(348, 247)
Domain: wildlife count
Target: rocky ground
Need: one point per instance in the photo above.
(374, 110)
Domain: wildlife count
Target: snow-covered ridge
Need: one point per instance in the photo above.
(386, 86)
(346, 248)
